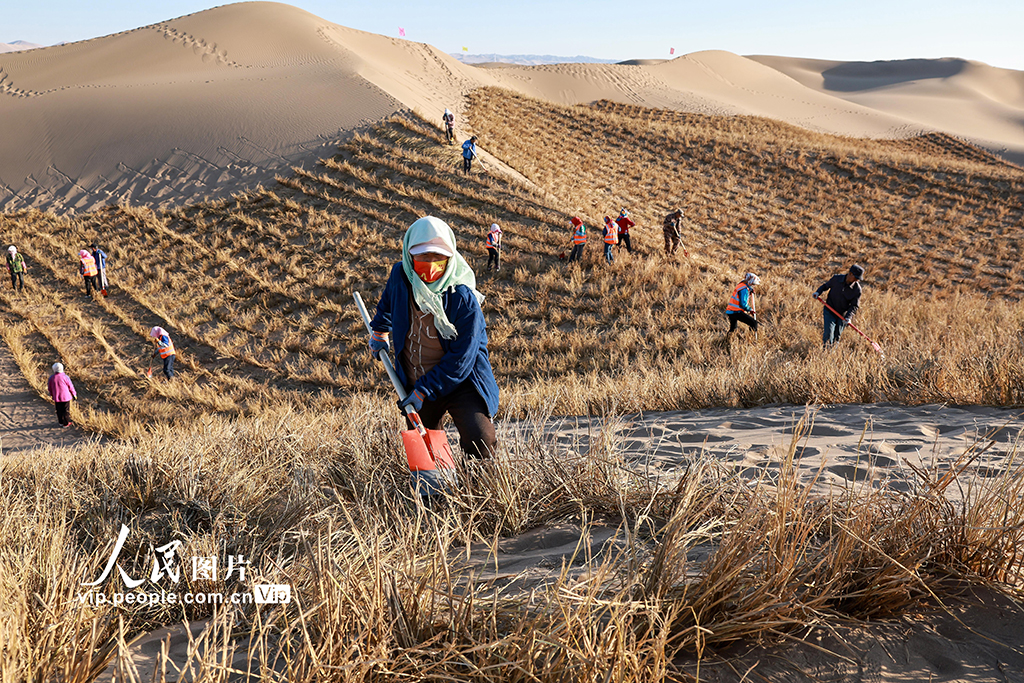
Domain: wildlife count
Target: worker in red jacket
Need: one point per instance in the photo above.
(625, 223)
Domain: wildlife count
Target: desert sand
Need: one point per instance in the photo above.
(211, 103)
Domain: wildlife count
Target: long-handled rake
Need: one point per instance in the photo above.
(873, 343)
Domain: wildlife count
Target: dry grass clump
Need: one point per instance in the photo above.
(665, 572)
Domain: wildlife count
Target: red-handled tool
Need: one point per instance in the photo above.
(873, 343)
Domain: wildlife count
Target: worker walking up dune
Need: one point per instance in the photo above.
(844, 297)
(741, 307)
(430, 308)
(17, 268)
(100, 257)
(493, 244)
(672, 227)
(611, 238)
(468, 154)
(89, 271)
(62, 391)
(625, 223)
(165, 348)
(449, 126)
(579, 239)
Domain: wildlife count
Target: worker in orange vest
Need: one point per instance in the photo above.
(741, 307)
(493, 244)
(579, 239)
(611, 238)
(89, 270)
(165, 348)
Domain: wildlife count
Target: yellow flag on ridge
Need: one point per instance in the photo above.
(465, 49)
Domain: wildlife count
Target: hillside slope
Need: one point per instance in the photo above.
(256, 290)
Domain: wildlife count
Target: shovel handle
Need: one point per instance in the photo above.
(870, 340)
(386, 360)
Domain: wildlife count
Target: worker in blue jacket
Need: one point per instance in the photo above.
(468, 154)
(741, 307)
(431, 311)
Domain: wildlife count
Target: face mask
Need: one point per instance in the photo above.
(430, 271)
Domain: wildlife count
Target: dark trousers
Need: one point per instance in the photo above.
(624, 240)
(469, 413)
(169, 367)
(91, 281)
(18, 281)
(62, 412)
(494, 257)
(833, 327)
(671, 242)
(467, 164)
(736, 317)
(577, 252)
(449, 134)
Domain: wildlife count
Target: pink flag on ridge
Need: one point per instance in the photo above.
(401, 31)
(671, 50)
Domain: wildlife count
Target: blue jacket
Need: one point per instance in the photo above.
(465, 357)
(468, 150)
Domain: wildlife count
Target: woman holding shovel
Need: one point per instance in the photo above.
(165, 347)
(431, 310)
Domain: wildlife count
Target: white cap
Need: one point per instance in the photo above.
(431, 247)
(57, 367)
(495, 228)
(12, 249)
(752, 279)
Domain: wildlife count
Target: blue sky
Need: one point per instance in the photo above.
(991, 31)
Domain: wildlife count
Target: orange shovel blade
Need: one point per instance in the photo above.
(427, 453)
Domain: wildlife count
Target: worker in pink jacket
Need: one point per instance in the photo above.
(62, 391)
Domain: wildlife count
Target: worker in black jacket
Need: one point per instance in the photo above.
(844, 296)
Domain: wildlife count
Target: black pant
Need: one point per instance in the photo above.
(449, 133)
(577, 252)
(17, 281)
(62, 412)
(493, 257)
(94, 281)
(467, 164)
(624, 239)
(469, 413)
(740, 317)
(169, 367)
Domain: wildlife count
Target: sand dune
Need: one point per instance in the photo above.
(210, 103)
(981, 103)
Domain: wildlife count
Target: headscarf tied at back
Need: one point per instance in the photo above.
(428, 296)
(157, 332)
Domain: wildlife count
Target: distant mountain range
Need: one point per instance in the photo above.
(528, 60)
(17, 45)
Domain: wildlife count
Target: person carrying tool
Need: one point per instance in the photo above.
(741, 308)
(430, 309)
(468, 154)
(100, 257)
(843, 296)
(449, 126)
(62, 391)
(579, 239)
(493, 244)
(611, 238)
(625, 223)
(673, 231)
(87, 268)
(165, 348)
(17, 268)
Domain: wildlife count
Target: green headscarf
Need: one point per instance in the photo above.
(458, 272)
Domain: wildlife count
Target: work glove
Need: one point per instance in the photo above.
(814, 294)
(378, 343)
(414, 399)
(847, 321)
